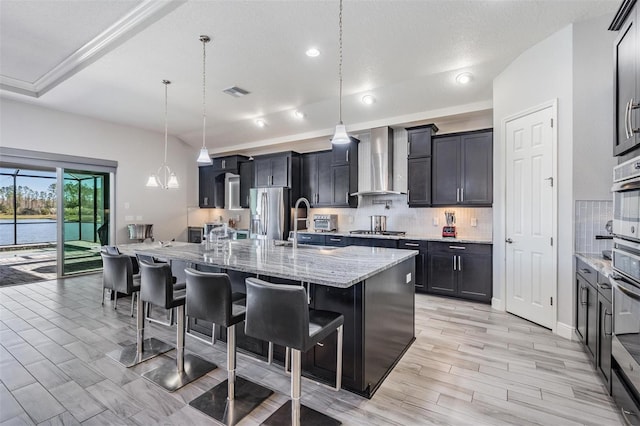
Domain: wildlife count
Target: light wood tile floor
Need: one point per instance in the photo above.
(469, 365)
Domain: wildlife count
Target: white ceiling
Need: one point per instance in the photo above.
(112, 55)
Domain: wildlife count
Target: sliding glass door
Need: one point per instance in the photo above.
(85, 219)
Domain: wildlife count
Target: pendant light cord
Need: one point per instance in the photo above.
(166, 126)
(340, 61)
(204, 88)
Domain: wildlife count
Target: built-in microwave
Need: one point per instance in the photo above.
(626, 200)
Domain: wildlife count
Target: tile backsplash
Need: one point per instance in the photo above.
(473, 223)
(591, 218)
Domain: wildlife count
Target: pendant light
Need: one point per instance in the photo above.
(164, 177)
(204, 158)
(340, 136)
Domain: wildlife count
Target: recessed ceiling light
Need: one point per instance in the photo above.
(464, 78)
(313, 52)
(368, 99)
(260, 122)
(298, 114)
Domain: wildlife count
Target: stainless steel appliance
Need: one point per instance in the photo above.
(378, 223)
(140, 232)
(270, 213)
(369, 232)
(325, 222)
(625, 346)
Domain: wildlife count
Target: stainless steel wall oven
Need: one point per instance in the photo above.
(625, 380)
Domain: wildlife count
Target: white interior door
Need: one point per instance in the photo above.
(530, 255)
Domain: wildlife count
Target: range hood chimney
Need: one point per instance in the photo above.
(381, 163)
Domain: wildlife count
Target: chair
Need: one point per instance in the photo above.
(280, 314)
(115, 250)
(176, 286)
(209, 298)
(117, 275)
(157, 289)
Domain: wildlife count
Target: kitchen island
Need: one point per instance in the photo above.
(372, 287)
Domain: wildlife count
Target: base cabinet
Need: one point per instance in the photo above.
(460, 270)
(421, 261)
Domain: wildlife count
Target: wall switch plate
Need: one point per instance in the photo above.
(138, 217)
(128, 218)
(474, 221)
(435, 221)
(127, 205)
(408, 278)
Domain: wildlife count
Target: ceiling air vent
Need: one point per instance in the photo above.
(235, 91)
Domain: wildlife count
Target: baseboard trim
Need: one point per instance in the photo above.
(497, 304)
(565, 330)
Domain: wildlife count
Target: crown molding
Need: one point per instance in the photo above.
(143, 15)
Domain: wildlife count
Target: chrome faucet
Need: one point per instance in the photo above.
(295, 219)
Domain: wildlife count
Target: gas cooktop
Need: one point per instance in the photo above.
(368, 232)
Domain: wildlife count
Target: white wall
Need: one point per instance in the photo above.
(574, 67)
(138, 153)
(593, 159)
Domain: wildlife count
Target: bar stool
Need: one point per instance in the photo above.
(117, 275)
(176, 286)
(115, 250)
(157, 289)
(280, 314)
(209, 298)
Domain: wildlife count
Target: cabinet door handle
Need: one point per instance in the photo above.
(459, 263)
(247, 200)
(454, 263)
(604, 286)
(457, 247)
(224, 164)
(610, 332)
(585, 271)
(632, 106)
(457, 195)
(584, 300)
(462, 195)
(347, 156)
(346, 198)
(408, 195)
(335, 239)
(412, 244)
(626, 120)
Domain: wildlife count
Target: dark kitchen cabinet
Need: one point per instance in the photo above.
(206, 186)
(336, 240)
(460, 270)
(462, 169)
(373, 242)
(626, 79)
(230, 163)
(605, 331)
(246, 181)
(343, 184)
(311, 239)
(421, 261)
(344, 154)
(587, 307)
(279, 170)
(316, 178)
(419, 140)
(419, 182)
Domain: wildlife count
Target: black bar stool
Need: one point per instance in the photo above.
(176, 286)
(157, 289)
(117, 275)
(280, 314)
(209, 298)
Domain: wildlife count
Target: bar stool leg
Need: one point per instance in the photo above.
(180, 340)
(295, 386)
(140, 329)
(339, 359)
(133, 298)
(115, 299)
(231, 362)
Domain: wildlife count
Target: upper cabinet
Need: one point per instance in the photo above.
(626, 79)
(345, 153)
(462, 169)
(211, 180)
(419, 165)
(246, 181)
(316, 178)
(281, 169)
(419, 140)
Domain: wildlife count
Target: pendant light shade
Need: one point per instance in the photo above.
(204, 158)
(340, 136)
(164, 177)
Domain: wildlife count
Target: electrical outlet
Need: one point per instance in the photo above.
(474, 221)
(408, 278)
(435, 221)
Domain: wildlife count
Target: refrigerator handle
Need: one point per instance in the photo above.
(266, 213)
(263, 215)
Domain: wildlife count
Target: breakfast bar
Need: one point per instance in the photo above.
(372, 287)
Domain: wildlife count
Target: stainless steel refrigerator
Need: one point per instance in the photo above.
(270, 213)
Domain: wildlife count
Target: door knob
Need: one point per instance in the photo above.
(509, 240)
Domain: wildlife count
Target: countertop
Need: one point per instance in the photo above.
(404, 237)
(332, 266)
(597, 262)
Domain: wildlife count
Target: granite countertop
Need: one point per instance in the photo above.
(597, 262)
(331, 266)
(405, 237)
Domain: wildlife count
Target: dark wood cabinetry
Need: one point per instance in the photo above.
(211, 180)
(462, 171)
(419, 165)
(345, 154)
(421, 261)
(626, 79)
(460, 270)
(316, 178)
(246, 181)
(281, 170)
(206, 186)
(594, 320)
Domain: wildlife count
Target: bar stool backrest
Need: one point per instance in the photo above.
(156, 284)
(209, 297)
(117, 272)
(277, 313)
(110, 249)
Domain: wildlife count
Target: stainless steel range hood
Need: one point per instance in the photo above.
(381, 163)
